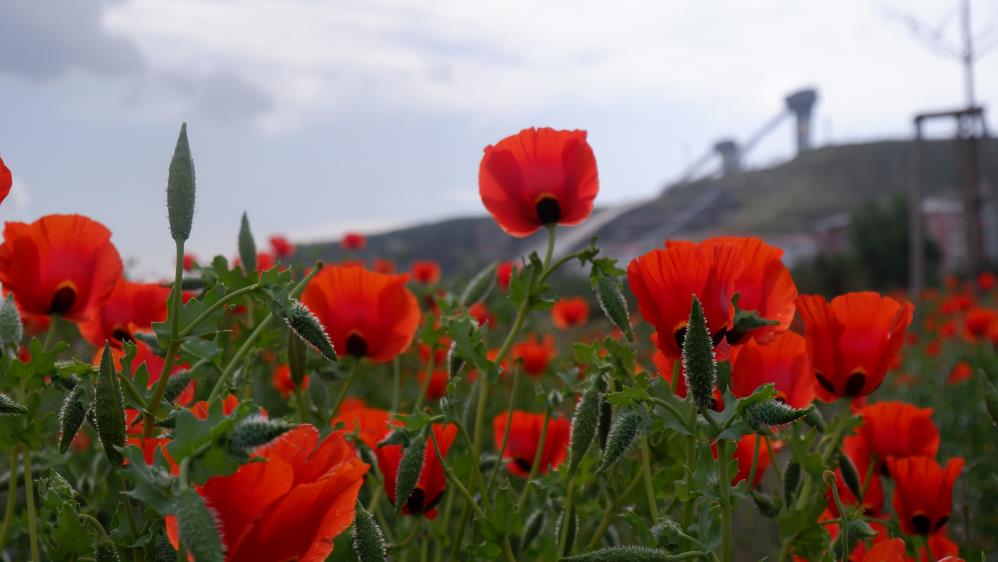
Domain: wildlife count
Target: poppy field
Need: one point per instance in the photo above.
(690, 403)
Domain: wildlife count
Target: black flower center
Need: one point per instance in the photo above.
(523, 464)
(417, 502)
(63, 300)
(121, 334)
(921, 523)
(855, 384)
(356, 346)
(548, 210)
(825, 383)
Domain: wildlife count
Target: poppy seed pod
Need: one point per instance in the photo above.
(180, 189)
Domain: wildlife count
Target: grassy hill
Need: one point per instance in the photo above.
(786, 198)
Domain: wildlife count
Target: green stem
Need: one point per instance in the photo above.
(604, 523)
(396, 383)
(755, 462)
(29, 496)
(535, 465)
(724, 488)
(843, 516)
(149, 419)
(8, 514)
(672, 410)
(566, 515)
(431, 364)
(505, 433)
(133, 527)
(649, 483)
(52, 331)
(346, 387)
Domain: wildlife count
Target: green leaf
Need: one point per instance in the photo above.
(193, 309)
(66, 537)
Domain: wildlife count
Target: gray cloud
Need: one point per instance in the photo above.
(40, 40)
(223, 97)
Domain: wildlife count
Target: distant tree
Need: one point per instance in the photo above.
(879, 239)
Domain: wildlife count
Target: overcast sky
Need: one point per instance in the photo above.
(320, 117)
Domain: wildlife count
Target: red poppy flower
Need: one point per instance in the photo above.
(897, 430)
(535, 354)
(303, 497)
(986, 281)
(426, 272)
(956, 303)
(284, 384)
(853, 341)
(370, 424)
(190, 261)
(131, 307)
(282, 247)
(933, 348)
(567, 313)
(6, 180)
(59, 264)
(437, 388)
(891, 550)
(503, 273)
(482, 315)
(384, 266)
(432, 481)
(367, 314)
(943, 549)
(765, 285)
(538, 177)
(745, 451)
(783, 362)
(665, 280)
(353, 241)
(923, 492)
(978, 322)
(962, 371)
(858, 451)
(524, 438)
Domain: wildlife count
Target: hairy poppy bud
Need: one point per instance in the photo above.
(766, 504)
(199, 528)
(614, 305)
(667, 533)
(368, 540)
(791, 480)
(532, 528)
(851, 476)
(296, 358)
(479, 286)
(254, 431)
(180, 189)
(624, 553)
(584, 423)
(410, 467)
(624, 434)
(816, 420)
(109, 409)
(772, 412)
(176, 384)
(11, 328)
(247, 246)
(307, 327)
(698, 358)
(73, 413)
(10, 407)
(856, 530)
(105, 552)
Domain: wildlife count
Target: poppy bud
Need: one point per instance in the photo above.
(410, 467)
(624, 434)
(199, 529)
(772, 412)
(667, 533)
(856, 530)
(791, 480)
(176, 384)
(296, 358)
(10, 407)
(816, 420)
(73, 413)
(247, 246)
(623, 553)
(180, 189)
(990, 398)
(698, 358)
(766, 504)
(851, 476)
(368, 540)
(105, 552)
(573, 528)
(11, 328)
(109, 409)
(479, 287)
(255, 431)
(584, 423)
(303, 323)
(614, 305)
(532, 528)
